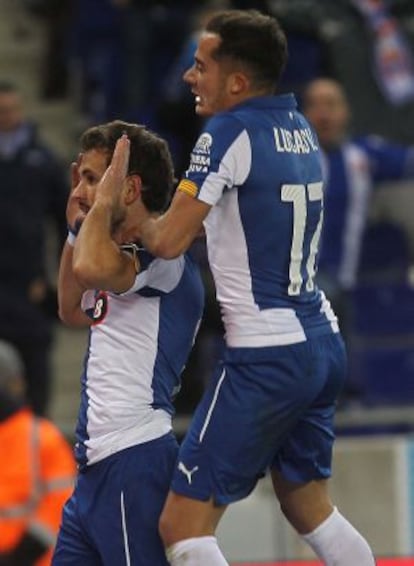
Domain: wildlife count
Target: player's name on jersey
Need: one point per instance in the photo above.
(294, 141)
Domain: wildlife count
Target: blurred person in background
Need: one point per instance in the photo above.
(352, 168)
(37, 472)
(55, 18)
(33, 192)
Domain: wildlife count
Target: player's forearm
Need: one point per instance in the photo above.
(70, 292)
(171, 234)
(97, 257)
(98, 261)
(154, 236)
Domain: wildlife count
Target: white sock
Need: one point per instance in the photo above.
(199, 551)
(338, 543)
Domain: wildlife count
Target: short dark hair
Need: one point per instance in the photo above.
(150, 158)
(255, 40)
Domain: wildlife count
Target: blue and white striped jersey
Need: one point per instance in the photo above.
(259, 166)
(138, 346)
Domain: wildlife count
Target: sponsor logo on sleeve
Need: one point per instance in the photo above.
(200, 156)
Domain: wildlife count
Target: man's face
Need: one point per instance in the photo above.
(326, 108)
(208, 79)
(91, 169)
(11, 111)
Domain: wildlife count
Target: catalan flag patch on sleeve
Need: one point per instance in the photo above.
(188, 187)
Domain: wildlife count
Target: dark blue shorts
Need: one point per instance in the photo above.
(264, 408)
(112, 516)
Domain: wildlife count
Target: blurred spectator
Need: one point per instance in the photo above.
(96, 49)
(55, 66)
(36, 473)
(393, 64)
(153, 32)
(33, 190)
(353, 168)
(120, 50)
(348, 44)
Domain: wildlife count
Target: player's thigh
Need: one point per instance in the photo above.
(243, 417)
(72, 546)
(306, 451)
(132, 501)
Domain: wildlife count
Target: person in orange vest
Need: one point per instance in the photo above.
(37, 471)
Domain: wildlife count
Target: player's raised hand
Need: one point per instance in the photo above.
(110, 186)
(74, 214)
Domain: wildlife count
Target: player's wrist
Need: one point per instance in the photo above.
(73, 231)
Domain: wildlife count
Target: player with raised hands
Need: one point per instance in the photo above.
(143, 314)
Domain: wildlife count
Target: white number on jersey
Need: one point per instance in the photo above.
(297, 195)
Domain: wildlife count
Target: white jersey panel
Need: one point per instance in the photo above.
(231, 172)
(118, 387)
(162, 274)
(246, 325)
(138, 345)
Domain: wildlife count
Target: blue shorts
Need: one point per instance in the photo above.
(264, 408)
(112, 516)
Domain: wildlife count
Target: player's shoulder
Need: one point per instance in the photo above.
(224, 124)
(218, 134)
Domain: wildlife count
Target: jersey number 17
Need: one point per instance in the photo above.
(299, 195)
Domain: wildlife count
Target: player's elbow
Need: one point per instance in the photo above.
(105, 273)
(65, 315)
(73, 317)
(167, 250)
(89, 273)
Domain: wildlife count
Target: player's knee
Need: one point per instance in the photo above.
(305, 510)
(288, 513)
(306, 518)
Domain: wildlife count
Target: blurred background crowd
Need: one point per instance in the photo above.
(70, 64)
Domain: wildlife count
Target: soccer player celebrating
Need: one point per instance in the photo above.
(143, 314)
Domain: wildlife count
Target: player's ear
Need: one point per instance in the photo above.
(238, 83)
(133, 188)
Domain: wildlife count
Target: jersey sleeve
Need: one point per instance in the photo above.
(220, 160)
(88, 302)
(156, 276)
